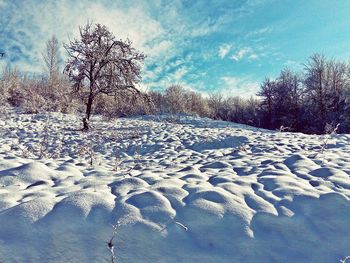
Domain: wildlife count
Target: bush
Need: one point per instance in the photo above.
(36, 94)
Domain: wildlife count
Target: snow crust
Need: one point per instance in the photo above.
(182, 189)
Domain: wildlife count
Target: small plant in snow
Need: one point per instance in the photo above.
(44, 143)
(243, 148)
(86, 149)
(59, 146)
(50, 147)
(25, 152)
(330, 130)
(90, 152)
(284, 129)
(117, 163)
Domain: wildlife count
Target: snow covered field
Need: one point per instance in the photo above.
(182, 189)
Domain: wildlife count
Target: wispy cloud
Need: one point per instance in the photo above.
(27, 25)
(244, 52)
(195, 43)
(224, 49)
(261, 31)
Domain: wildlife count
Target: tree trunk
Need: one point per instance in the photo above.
(85, 125)
(89, 107)
(88, 113)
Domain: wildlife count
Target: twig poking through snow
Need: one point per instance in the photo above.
(182, 225)
(110, 244)
(345, 260)
(110, 247)
(330, 131)
(284, 129)
(176, 223)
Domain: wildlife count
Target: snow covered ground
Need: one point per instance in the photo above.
(181, 189)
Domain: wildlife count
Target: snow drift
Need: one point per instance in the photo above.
(185, 191)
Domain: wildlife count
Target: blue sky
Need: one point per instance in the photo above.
(209, 46)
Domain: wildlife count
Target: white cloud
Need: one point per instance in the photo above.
(245, 52)
(163, 30)
(261, 31)
(224, 49)
(179, 73)
(37, 23)
(240, 86)
(161, 48)
(253, 56)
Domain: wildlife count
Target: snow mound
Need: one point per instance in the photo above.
(29, 173)
(327, 172)
(298, 162)
(227, 142)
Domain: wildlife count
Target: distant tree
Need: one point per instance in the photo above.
(235, 109)
(159, 103)
(100, 64)
(345, 117)
(196, 104)
(316, 82)
(176, 99)
(287, 100)
(251, 112)
(216, 105)
(281, 101)
(338, 92)
(266, 91)
(327, 86)
(51, 58)
(55, 89)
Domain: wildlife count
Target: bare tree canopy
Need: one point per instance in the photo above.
(51, 57)
(98, 63)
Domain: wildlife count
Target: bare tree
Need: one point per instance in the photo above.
(339, 87)
(316, 84)
(215, 103)
(267, 93)
(98, 63)
(51, 58)
(175, 99)
(197, 104)
(287, 100)
(55, 91)
(326, 86)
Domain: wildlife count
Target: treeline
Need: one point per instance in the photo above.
(311, 101)
(307, 101)
(35, 94)
(177, 100)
